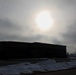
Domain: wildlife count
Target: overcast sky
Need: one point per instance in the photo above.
(17, 21)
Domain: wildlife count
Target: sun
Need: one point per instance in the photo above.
(44, 20)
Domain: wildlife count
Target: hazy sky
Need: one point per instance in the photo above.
(17, 21)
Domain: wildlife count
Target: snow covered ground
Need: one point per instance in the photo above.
(43, 66)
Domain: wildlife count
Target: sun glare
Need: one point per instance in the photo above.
(44, 20)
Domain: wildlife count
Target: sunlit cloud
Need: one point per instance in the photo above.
(17, 21)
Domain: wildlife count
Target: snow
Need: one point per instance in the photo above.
(43, 66)
(51, 65)
(71, 64)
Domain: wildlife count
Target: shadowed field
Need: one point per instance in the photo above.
(63, 72)
(32, 60)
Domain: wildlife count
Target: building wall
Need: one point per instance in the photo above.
(48, 50)
(10, 50)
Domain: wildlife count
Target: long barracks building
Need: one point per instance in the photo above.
(18, 50)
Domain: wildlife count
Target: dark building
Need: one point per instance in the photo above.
(48, 50)
(15, 50)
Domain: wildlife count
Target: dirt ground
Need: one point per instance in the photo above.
(63, 72)
(15, 61)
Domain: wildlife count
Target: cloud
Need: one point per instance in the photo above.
(5, 23)
(8, 29)
(19, 24)
(11, 31)
(68, 36)
(7, 37)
